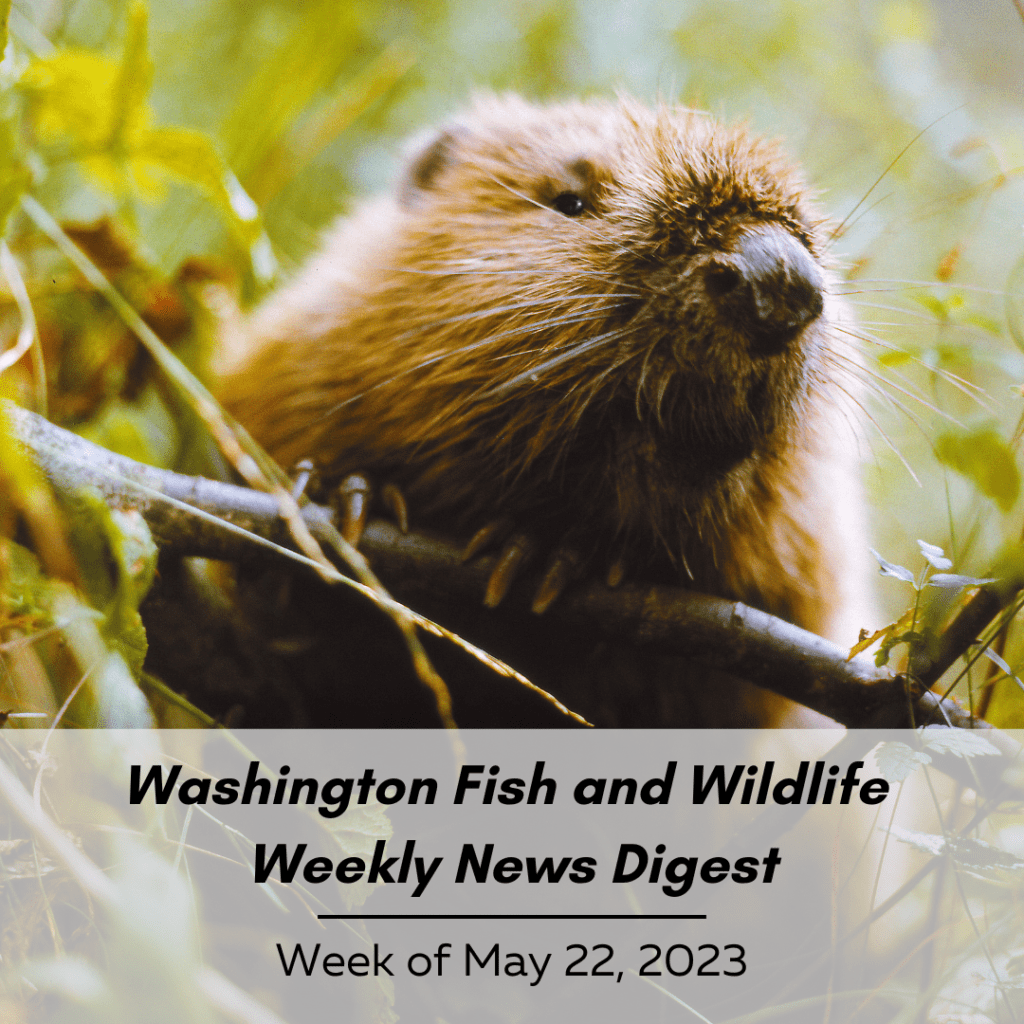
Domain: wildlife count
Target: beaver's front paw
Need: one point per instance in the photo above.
(519, 550)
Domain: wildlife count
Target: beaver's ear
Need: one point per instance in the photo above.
(430, 157)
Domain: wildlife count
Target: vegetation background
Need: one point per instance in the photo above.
(192, 143)
(191, 146)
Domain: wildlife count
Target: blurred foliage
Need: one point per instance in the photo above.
(176, 181)
(202, 146)
(194, 150)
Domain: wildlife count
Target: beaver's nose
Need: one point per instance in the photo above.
(769, 286)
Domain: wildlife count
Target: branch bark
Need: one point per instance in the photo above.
(725, 635)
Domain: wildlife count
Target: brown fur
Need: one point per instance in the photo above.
(493, 356)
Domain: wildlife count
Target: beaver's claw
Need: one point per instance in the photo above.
(514, 557)
(394, 501)
(353, 500)
(488, 535)
(563, 567)
(518, 552)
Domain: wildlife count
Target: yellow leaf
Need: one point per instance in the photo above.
(902, 624)
(72, 97)
(190, 156)
(130, 112)
(106, 172)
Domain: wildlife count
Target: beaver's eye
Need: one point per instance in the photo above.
(569, 203)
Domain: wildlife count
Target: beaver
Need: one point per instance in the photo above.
(600, 333)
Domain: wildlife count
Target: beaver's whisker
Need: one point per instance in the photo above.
(913, 313)
(513, 307)
(842, 225)
(889, 399)
(885, 437)
(954, 286)
(535, 373)
(908, 392)
(903, 326)
(465, 350)
(852, 422)
(508, 272)
(971, 390)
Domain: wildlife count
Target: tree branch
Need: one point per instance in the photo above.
(724, 635)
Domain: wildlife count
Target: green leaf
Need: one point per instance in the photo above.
(117, 558)
(961, 742)
(29, 591)
(129, 109)
(891, 569)
(954, 581)
(935, 556)
(124, 428)
(191, 157)
(895, 357)
(973, 855)
(14, 174)
(885, 648)
(896, 760)
(985, 459)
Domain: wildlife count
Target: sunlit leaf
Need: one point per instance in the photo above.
(129, 107)
(961, 742)
(901, 625)
(891, 569)
(975, 856)
(935, 556)
(896, 760)
(72, 95)
(954, 581)
(191, 157)
(98, 109)
(985, 459)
